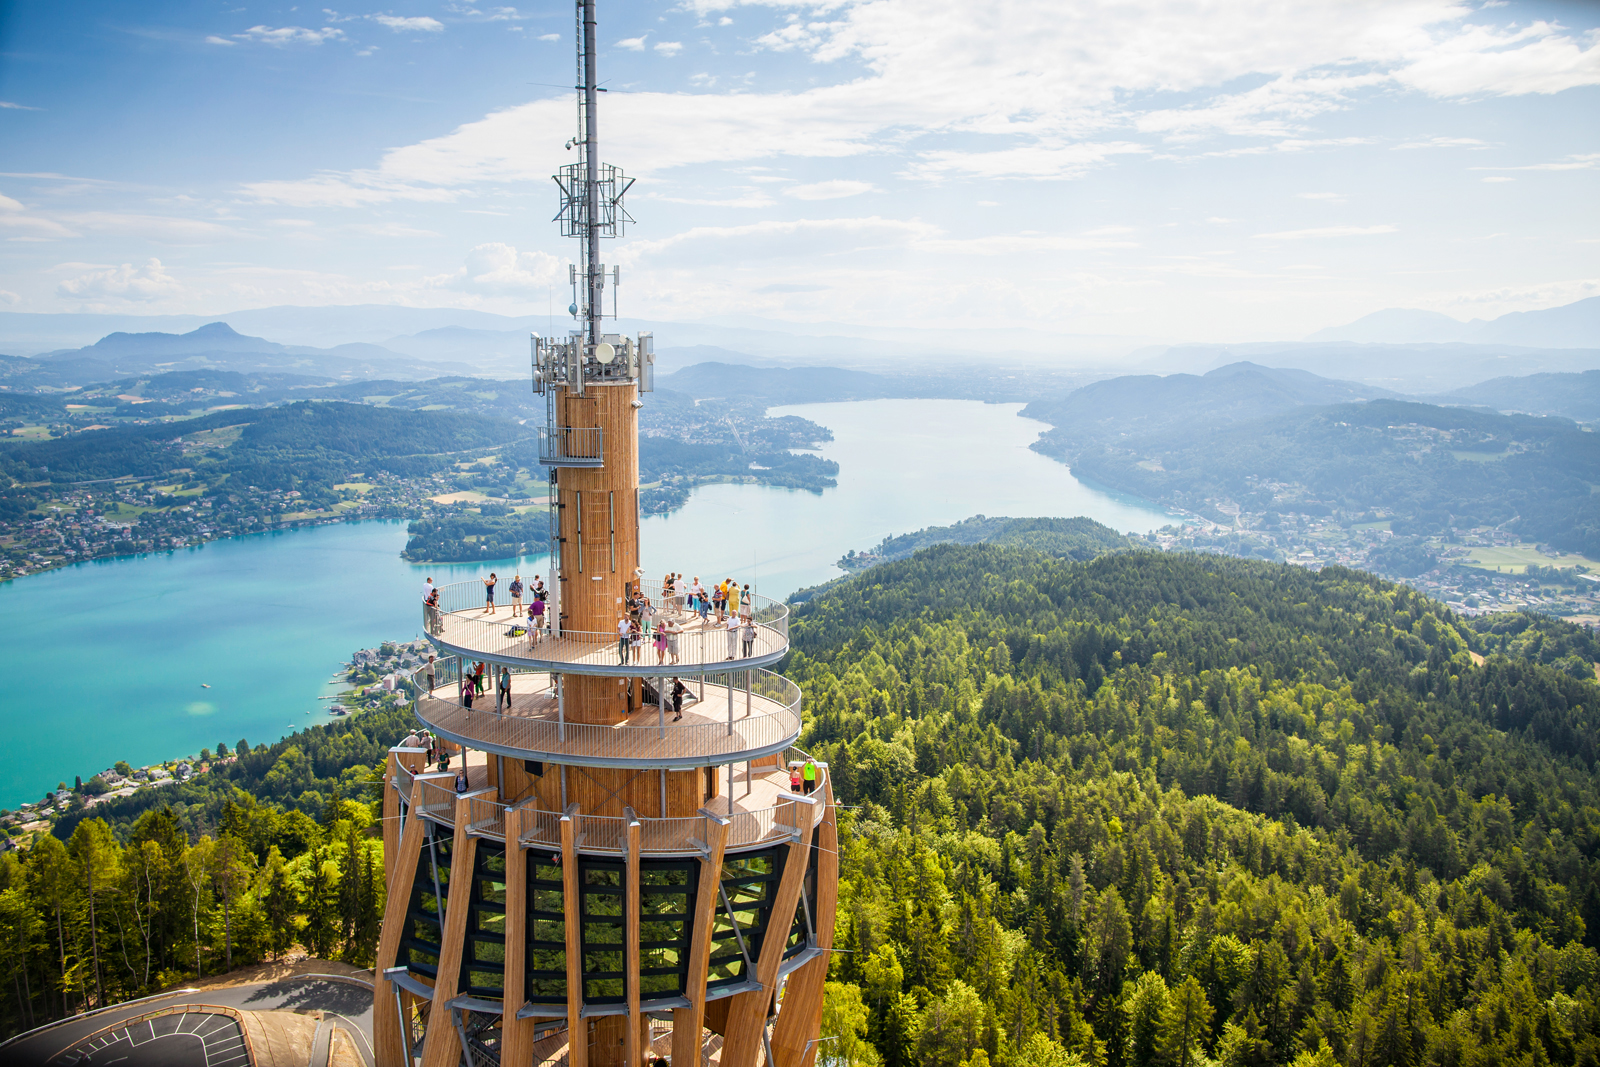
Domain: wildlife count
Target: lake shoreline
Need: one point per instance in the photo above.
(255, 615)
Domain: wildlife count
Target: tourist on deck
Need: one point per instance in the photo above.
(430, 676)
(488, 594)
(504, 691)
(427, 589)
(431, 609)
(809, 773)
(516, 595)
(480, 679)
(794, 778)
(467, 692)
(535, 620)
(732, 626)
(733, 597)
(660, 643)
(745, 603)
(624, 625)
(673, 630)
(636, 641)
(719, 600)
(678, 689)
(747, 634)
(669, 593)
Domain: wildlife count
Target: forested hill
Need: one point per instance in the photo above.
(1156, 808)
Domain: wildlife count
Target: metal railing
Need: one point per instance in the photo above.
(750, 712)
(459, 622)
(607, 834)
(438, 800)
(571, 446)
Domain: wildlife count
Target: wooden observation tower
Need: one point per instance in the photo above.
(597, 879)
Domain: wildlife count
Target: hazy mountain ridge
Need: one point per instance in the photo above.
(1575, 325)
(1136, 405)
(1574, 396)
(1422, 369)
(217, 345)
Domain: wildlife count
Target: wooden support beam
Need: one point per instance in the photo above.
(688, 1023)
(571, 904)
(388, 1035)
(442, 1046)
(516, 1035)
(747, 1012)
(794, 1036)
(411, 759)
(630, 942)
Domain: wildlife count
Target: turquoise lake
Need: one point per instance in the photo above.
(266, 620)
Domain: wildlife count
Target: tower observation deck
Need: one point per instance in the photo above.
(614, 867)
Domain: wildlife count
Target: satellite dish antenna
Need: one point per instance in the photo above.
(604, 352)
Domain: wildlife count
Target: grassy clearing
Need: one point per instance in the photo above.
(1514, 559)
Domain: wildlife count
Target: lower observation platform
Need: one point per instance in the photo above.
(702, 645)
(722, 723)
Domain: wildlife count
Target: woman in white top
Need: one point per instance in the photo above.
(732, 627)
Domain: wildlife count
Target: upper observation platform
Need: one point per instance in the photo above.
(726, 718)
(462, 626)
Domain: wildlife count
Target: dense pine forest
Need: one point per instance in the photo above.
(1150, 809)
(1184, 810)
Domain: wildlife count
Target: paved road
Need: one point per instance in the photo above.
(348, 1005)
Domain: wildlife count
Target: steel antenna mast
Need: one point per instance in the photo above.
(591, 178)
(591, 191)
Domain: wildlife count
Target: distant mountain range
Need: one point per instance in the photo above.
(1575, 325)
(1420, 369)
(217, 346)
(1574, 396)
(1137, 405)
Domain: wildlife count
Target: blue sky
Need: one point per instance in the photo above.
(1169, 169)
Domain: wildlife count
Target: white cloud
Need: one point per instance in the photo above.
(1048, 161)
(773, 239)
(124, 283)
(1488, 61)
(1446, 142)
(836, 189)
(1590, 161)
(669, 48)
(421, 23)
(8, 297)
(284, 35)
(214, 39)
(1336, 198)
(549, 37)
(1499, 178)
(1026, 89)
(499, 269)
(1326, 231)
(169, 229)
(10, 105)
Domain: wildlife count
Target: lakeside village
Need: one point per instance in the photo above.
(132, 515)
(1474, 572)
(374, 676)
